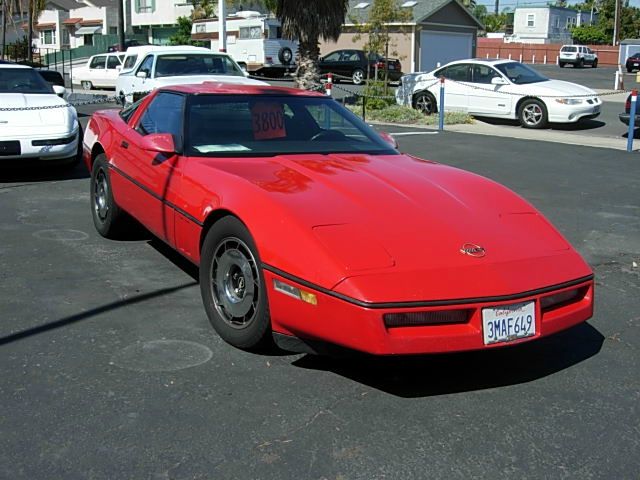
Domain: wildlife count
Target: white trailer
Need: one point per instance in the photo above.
(254, 41)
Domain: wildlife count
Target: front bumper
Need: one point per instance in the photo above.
(341, 322)
(42, 149)
(559, 113)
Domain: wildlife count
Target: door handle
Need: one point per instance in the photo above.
(124, 144)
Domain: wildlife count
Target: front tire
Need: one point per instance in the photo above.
(107, 216)
(233, 287)
(533, 114)
(425, 102)
(561, 64)
(594, 64)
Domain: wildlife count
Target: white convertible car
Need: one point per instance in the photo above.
(50, 134)
(177, 65)
(502, 89)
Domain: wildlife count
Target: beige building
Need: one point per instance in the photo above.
(438, 32)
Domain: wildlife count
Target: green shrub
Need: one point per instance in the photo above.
(374, 90)
(408, 115)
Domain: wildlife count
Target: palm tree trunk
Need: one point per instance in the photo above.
(307, 75)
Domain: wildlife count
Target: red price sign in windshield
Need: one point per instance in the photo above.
(267, 119)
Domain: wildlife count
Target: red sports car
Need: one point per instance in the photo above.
(309, 226)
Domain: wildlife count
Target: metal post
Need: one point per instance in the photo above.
(120, 25)
(632, 119)
(329, 84)
(71, 69)
(441, 106)
(364, 108)
(222, 26)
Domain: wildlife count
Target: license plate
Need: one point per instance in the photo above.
(508, 322)
(392, 67)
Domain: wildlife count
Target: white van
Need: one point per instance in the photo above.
(254, 41)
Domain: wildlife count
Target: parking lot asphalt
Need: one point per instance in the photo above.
(109, 368)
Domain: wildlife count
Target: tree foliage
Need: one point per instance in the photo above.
(183, 35)
(589, 34)
(377, 28)
(495, 23)
(308, 24)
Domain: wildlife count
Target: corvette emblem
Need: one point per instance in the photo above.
(473, 250)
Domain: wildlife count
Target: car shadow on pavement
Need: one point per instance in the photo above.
(567, 127)
(429, 375)
(37, 172)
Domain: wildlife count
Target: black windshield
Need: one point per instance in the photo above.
(520, 74)
(22, 80)
(261, 125)
(196, 64)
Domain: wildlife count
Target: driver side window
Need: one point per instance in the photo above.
(163, 115)
(146, 66)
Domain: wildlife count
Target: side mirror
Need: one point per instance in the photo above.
(142, 74)
(59, 91)
(158, 142)
(498, 81)
(119, 67)
(388, 139)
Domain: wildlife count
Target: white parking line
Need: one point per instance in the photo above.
(412, 133)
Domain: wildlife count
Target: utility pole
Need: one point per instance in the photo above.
(222, 26)
(121, 25)
(30, 36)
(497, 7)
(616, 25)
(5, 10)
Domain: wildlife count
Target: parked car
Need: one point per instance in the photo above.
(354, 64)
(53, 77)
(101, 71)
(578, 56)
(501, 89)
(51, 134)
(633, 62)
(310, 226)
(626, 116)
(127, 43)
(161, 67)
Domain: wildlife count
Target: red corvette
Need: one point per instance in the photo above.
(310, 226)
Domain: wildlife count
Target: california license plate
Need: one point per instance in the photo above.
(508, 322)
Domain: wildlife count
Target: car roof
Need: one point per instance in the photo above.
(220, 88)
(14, 65)
(481, 61)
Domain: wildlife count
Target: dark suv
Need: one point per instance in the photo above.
(354, 64)
(633, 62)
(127, 43)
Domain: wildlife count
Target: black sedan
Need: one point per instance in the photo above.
(355, 64)
(624, 117)
(633, 62)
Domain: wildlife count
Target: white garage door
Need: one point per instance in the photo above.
(443, 47)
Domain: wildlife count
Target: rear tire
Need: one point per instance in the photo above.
(357, 76)
(107, 216)
(581, 63)
(533, 114)
(232, 285)
(86, 85)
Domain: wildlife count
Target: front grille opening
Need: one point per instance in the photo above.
(562, 299)
(419, 319)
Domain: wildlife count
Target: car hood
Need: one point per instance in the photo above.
(191, 79)
(557, 87)
(399, 215)
(49, 117)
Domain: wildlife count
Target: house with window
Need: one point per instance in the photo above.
(437, 32)
(71, 23)
(547, 24)
(158, 19)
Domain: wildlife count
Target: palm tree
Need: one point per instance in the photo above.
(35, 9)
(307, 24)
